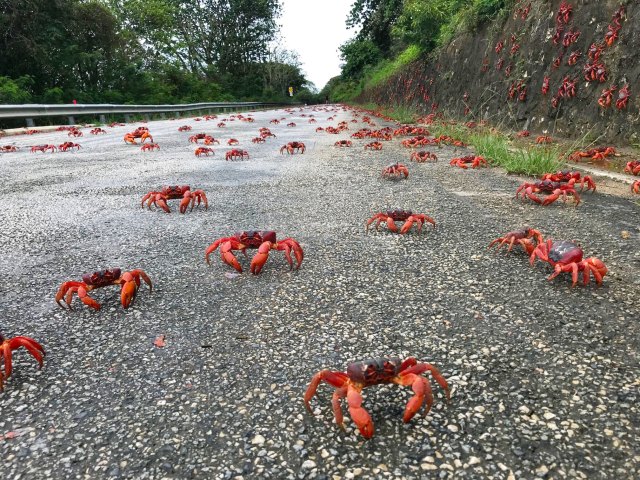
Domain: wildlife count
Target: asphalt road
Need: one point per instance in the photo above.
(545, 379)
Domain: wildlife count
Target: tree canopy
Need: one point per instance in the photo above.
(143, 51)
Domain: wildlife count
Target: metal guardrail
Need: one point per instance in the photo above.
(31, 111)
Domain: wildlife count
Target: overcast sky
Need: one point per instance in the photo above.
(315, 29)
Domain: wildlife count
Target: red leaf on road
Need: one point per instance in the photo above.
(159, 342)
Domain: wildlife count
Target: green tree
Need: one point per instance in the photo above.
(357, 55)
(375, 19)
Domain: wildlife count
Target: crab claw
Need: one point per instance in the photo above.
(359, 415)
(228, 257)
(128, 290)
(131, 282)
(261, 257)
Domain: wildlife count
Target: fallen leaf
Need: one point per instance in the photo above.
(159, 342)
(624, 234)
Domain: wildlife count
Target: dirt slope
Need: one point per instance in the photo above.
(470, 64)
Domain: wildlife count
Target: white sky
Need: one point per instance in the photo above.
(315, 29)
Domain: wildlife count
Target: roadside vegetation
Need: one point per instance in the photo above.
(394, 33)
(145, 51)
(499, 150)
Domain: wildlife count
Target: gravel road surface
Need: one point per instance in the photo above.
(545, 378)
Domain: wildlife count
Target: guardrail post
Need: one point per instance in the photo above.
(147, 117)
(103, 119)
(177, 114)
(71, 120)
(127, 118)
(30, 123)
(162, 115)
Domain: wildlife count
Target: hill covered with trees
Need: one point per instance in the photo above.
(144, 51)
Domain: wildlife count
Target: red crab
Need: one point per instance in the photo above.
(611, 35)
(635, 188)
(395, 170)
(555, 189)
(545, 85)
(184, 192)
(607, 97)
(141, 132)
(8, 149)
(522, 237)
(595, 50)
(423, 156)
(375, 371)
(222, 125)
(97, 131)
(523, 133)
(8, 345)
(499, 46)
(343, 143)
(128, 281)
(43, 148)
(209, 140)
(63, 147)
(544, 139)
(197, 136)
(571, 178)
(74, 132)
(293, 147)
(264, 241)
(150, 146)
(567, 88)
(599, 153)
(573, 58)
(204, 151)
(407, 216)
(565, 256)
(633, 167)
(373, 146)
(291, 124)
(275, 121)
(258, 140)
(564, 13)
(623, 98)
(184, 128)
(236, 154)
(233, 141)
(595, 71)
(570, 37)
(473, 160)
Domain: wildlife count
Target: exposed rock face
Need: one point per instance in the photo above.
(472, 64)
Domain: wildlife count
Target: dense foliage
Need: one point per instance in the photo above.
(395, 32)
(143, 51)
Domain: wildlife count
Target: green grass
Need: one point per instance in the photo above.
(499, 151)
(385, 69)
